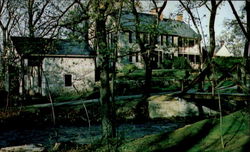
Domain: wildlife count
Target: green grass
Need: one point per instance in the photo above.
(67, 98)
(200, 136)
(166, 73)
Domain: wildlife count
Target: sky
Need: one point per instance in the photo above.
(224, 12)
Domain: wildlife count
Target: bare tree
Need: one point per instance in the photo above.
(8, 20)
(42, 17)
(213, 9)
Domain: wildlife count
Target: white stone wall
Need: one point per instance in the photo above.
(175, 107)
(81, 69)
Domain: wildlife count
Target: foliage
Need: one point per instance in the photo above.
(128, 68)
(233, 35)
(159, 73)
(167, 64)
(76, 23)
(227, 62)
(181, 63)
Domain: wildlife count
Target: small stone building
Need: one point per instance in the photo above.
(54, 66)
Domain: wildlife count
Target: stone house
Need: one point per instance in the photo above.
(58, 66)
(176, 38)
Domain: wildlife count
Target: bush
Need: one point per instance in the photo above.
(128, 68)
(167, 64)
(227, 62)
(181, 63)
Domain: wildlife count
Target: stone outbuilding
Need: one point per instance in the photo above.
(54, 66)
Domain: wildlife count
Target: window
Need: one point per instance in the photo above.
(167, 42)
(145, 38)
(141, 36)
(130, 36)
(39, 79)
(170, 40)
(180, 44)
(191, 42)
(175, 40)
(162, 39)
(186, 42)
(136, 57)
(68, 80)
(130, 58)
(197, 59)
(158, 41)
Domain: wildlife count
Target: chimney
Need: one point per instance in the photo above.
(153, 11)
(179, 17)
(222, 42)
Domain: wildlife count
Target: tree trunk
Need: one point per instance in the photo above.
(211, 30)
(108, 129)
(4, 61)
(247, 49)
(247, 43)
(148, 76)
(30, 22)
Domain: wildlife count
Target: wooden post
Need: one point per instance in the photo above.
(213, 80)
(239, 77)
(182, 85)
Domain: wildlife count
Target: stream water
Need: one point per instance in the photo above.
(81, 135)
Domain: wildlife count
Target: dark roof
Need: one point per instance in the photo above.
(166, 26)
(26, 46)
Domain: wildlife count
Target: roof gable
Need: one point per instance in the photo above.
(223, 51)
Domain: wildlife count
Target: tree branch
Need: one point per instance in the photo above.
(208, 7)
(42, 11)
(237, 18)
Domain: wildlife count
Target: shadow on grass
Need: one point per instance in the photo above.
(233, 128)
(237, 130)
(245, 147)
(185, 139)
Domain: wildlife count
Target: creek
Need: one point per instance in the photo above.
(48, 136)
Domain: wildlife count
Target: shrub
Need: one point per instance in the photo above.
(167, 64)
(128, 68)
(227, 62)
(181, 63)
